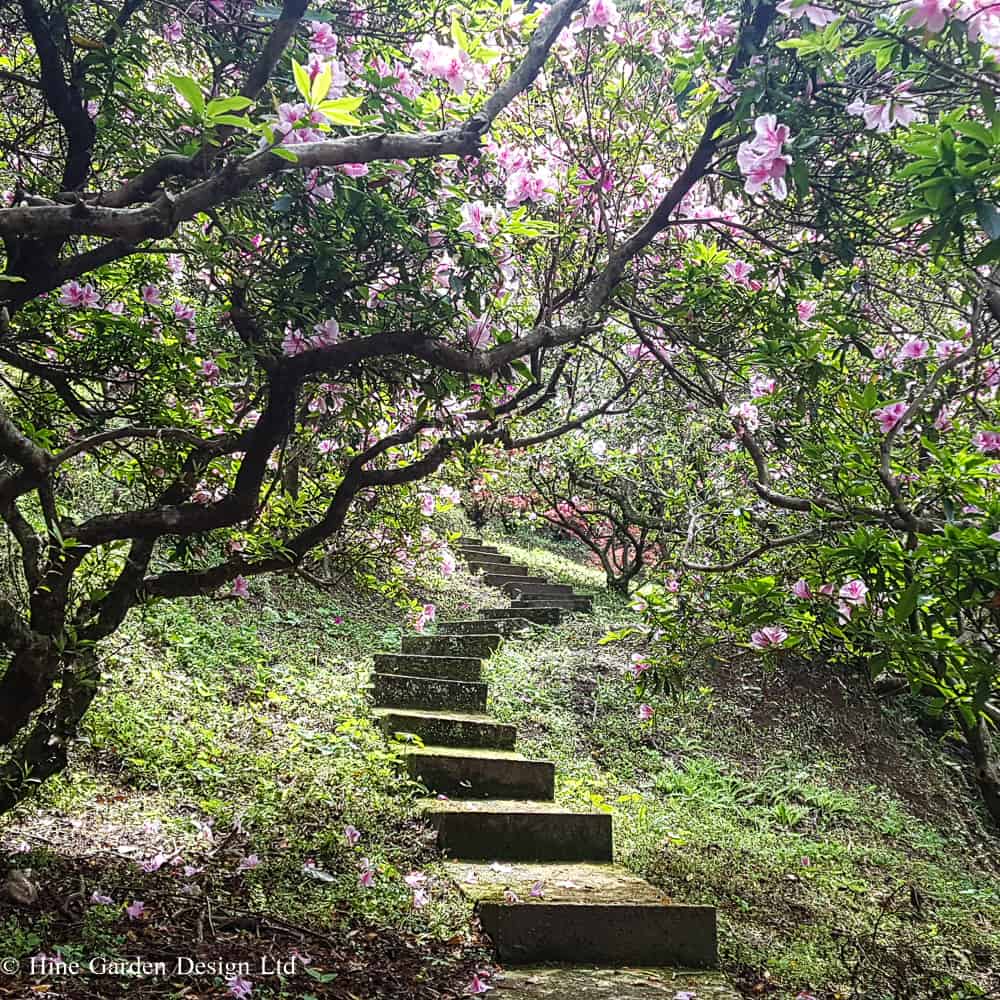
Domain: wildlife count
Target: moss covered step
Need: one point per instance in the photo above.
(567, 603)
(404, 691)
(480, 644)
(517, 829)
(499, 579)
(469, 540)
(475, 626)
(541, 589)
(548, 982)
(487, 565)
(486, 556)
(452, 668)
(480, 550)
(478, 773)
(537, 615)
(451, 729)
(600, 913)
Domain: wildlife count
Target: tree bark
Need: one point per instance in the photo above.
(987, 766)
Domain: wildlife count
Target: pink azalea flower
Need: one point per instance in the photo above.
(746, 414)
(768, 637)
(805, 310)
(354, 169)
(931, 15)
(769, 136)
(239, 987)
(98, 900)
(818, 16)
(150, 295)
(427, 504)
(889, 416)
(988, 442)
(415, 879)
(322, 39)
(136, 910)
(326, 333)
(448, 565)
(479, 333)
(900, 108)
(601, 14)
(79, 296)
(248, 863)
(240, 587)
(184, 313)
(913, 350)
(295, 342)
(173, 32)
(945, 349)
(854, 591)
(420, 898)
(366, 878)
(801, 590)
(326, 446)
(761, 386)
(155, 863)
(538, 890)
(352, 835)
(738, 272)
(478, 986)
(115, 308)
(475, 218)
(210, 370)
(645, 713)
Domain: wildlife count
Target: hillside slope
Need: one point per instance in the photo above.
(234, 737)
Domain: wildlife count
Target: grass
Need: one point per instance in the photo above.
(836, 840)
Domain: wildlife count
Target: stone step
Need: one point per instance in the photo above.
(594, 913)
(542, 589)
(547, 615)
(468, 540)
(452, 729)
(403, 691)
(480, 550)
(502, 568)
(452, 668)
(469, 626)
(568, 603)
(482, 644)
(517, 829)
(567, 982)
(485, 556)
(499, 579)
(480, 774)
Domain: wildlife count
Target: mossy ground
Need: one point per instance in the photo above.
(841, 845)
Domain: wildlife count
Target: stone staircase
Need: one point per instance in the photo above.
(524, 591)
(542, 876)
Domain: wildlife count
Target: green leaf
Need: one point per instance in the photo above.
(321, 85)
(302, 81)
(188, 89)
(237, 121)
(975, 131)
(458, 35)
(907, 602)
(222, 105)
(285, 154)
